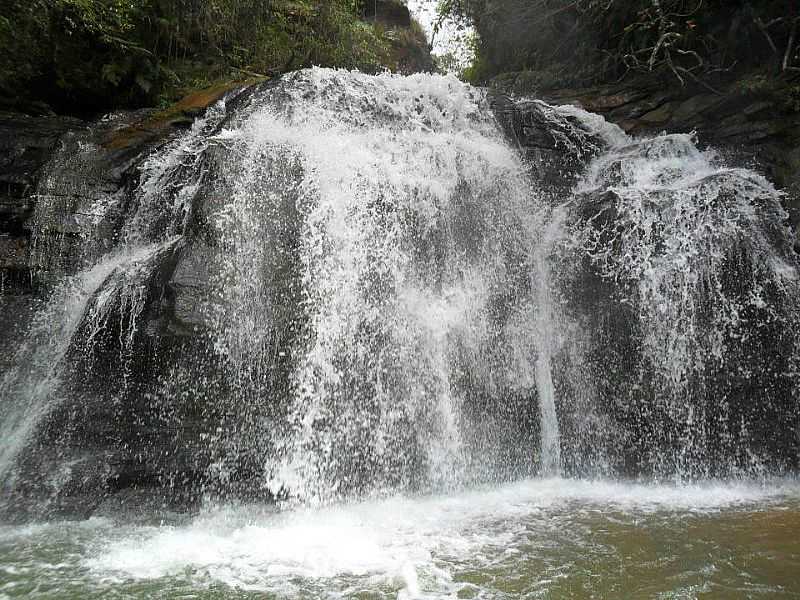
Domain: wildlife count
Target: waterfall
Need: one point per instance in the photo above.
(405, 201)
(701, 261)
(338, 285)
(31, 387)
(83, 303)
(546, 333)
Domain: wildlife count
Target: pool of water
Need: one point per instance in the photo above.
(552, 538)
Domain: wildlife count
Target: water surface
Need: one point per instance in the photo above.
(532, 539)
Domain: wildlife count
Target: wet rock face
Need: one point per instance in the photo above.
(191, 286)
(689, 280)
(556, 145)
(643, 212)
(26, 145)
(62, 192)
(752, 130)
(67, 190)
(69, 181)
(81, 197)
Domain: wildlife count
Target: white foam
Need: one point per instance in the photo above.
(402, 544)
(594, 124)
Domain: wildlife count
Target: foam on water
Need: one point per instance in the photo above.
(408, 546)
(594, 124)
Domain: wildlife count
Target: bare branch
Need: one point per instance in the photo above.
(763, 29)
(664, 41)
(787, 57)
(697, 57)
(668, 59)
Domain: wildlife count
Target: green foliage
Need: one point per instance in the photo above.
(586, 41)
(84, 56)
(478, 70)
(409, 49)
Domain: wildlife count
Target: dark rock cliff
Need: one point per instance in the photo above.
(79, 185)
(57, 173)
(26, 145)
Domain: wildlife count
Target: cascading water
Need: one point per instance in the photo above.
(33, 383)
(546, 336)
(704, 275)
(336, 285)
(366, 245)
(80, 306)
(354, 292)
(406, 206)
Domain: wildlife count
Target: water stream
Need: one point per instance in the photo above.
(344, 343)
(546, 538)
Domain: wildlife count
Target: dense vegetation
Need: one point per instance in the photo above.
(88, 56)
(84, 56)
(576, 42)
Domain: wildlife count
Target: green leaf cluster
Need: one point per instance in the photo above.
(87, 56)
(578, 42)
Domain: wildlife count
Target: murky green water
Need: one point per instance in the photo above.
(532, 539)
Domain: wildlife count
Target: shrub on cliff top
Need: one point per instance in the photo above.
(585, 41)
(85, 56)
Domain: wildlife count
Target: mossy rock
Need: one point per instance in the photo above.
(177, 116)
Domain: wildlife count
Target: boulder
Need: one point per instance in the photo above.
(191, 288)
(556, 145)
